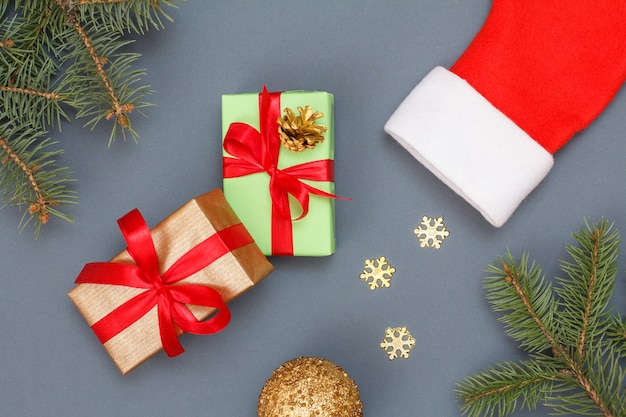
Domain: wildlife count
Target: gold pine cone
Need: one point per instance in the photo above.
(298, 133)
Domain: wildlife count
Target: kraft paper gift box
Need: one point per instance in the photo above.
(208, 217)
(248, 187)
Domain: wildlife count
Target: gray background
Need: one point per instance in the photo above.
(369, 54)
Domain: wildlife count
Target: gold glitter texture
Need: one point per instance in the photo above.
(308, 387)
(431, 232)
(377, 273)
(398, 343)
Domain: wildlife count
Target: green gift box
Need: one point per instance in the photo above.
(262, 178)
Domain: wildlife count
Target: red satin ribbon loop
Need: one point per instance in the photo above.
(255, 151)
(160, 290)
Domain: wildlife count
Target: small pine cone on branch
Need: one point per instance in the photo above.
(298, 133)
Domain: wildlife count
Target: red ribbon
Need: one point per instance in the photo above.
(257, 151)
(161, 290)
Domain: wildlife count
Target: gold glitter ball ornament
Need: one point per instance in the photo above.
(298, 133)
(308, 387)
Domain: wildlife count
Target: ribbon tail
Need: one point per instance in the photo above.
(204, 296)
(169, 336)
(303, 199)
(290, 180)
(322, 193)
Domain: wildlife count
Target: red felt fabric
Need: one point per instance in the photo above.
(550, 66)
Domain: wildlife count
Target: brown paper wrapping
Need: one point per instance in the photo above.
(230, 275)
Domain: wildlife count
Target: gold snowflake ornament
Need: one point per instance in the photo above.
(377, 273)
(397, 343)
(431, 232)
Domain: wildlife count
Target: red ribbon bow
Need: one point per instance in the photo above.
(257, 151)
(161, 290)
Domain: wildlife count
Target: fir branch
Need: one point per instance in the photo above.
(53, 96)
(84, 2)
(602, 369)
(118, 110)
(616, 335)
(57, 57)
(28, 161)
(583, 373)
(35, 105)
(497, 391)
(124, 16)
(521, 290)
(584, 296)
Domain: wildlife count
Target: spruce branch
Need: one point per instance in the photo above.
(120, 108)
(62, 60)
(125, 16)
(586, 292)
(616, 335)
(28, 160)
(528, 297)
(576, 346)
(499, 389)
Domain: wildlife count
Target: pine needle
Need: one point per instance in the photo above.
(576, 346)
(28, 160)
(63, 60)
